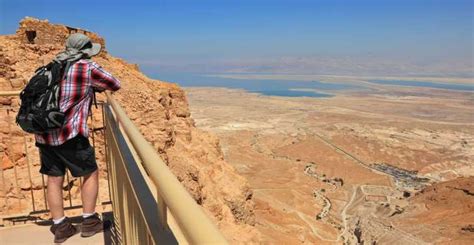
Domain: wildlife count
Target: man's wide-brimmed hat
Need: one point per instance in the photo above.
(82, 43)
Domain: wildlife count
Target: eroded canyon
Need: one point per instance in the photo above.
(387, 165)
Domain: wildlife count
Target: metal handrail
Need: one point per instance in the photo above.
(9, 93)
(191, 219)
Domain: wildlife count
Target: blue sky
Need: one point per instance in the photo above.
(183, 34)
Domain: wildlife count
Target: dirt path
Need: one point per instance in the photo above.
(344, 215)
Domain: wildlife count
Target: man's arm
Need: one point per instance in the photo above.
(102, 80)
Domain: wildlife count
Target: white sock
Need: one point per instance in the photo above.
(87, 215)
(57, 221)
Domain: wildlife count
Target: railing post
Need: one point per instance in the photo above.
(44, 192)
(29, 173)
(104, 123)
(4, 190)
(162, 210)
(69, 187)
(18, 189)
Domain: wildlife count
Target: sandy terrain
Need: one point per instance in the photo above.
(356, 167)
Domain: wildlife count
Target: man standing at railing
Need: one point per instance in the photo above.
(68, 146)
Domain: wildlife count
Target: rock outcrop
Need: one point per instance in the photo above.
(446, 207)
(193, 155)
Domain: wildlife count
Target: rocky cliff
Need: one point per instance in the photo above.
(193, 155)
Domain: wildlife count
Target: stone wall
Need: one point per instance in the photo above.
(33, 31)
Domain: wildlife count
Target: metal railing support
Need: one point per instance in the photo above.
(191, 219)
(29, 175)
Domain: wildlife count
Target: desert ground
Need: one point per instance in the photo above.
(388, 165)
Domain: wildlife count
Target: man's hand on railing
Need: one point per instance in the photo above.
(98, 90)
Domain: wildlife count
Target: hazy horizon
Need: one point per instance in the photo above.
(367, 37)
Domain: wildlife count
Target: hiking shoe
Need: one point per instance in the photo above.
(63, 231)
(92, 225)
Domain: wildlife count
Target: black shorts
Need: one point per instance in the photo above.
(76, 154)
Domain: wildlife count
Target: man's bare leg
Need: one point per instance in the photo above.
(90, 188)
(55, 196)
(92, 223)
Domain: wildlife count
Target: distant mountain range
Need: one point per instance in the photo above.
(350, 65)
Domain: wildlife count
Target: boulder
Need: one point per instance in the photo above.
(6, 163)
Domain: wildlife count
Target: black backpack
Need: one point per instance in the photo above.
(39, 111)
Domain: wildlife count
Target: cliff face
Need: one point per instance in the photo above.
(158, 108)
(446, 208)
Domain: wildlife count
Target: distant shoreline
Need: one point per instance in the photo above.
(345, 79)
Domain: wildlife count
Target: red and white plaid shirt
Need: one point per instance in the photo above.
(75, 99)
